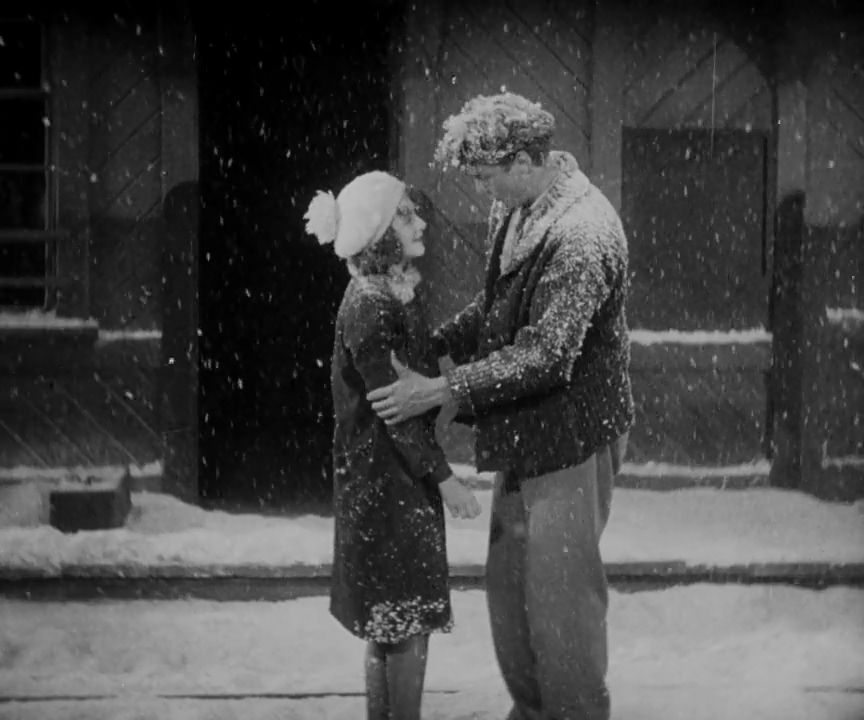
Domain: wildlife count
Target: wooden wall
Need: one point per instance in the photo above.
(125, 164)
(700, 108)
(450, 54)
(687, 72)
(92, 404)
(600, 70)
(673, 71)
(832, 406)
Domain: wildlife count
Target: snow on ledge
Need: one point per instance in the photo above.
(38, 319)
(700, 337)
(462, 470)
(840, 316)
(107, 336)
(841, 463)
(47, 320)
(650, 469)
(25, 472)
(660, 469)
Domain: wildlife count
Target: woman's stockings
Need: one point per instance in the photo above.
(394, 679)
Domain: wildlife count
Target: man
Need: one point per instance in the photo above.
(542, 368)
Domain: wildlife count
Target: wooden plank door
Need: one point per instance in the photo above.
(693, 204)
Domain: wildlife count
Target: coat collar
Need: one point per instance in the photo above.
(400, 282)
(570, 185)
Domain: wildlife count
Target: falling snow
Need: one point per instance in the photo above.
(289, 109)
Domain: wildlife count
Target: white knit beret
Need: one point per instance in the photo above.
(359, 216)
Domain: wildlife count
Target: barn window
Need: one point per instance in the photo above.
(27, 243)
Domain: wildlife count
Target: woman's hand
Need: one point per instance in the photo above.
(460, 501)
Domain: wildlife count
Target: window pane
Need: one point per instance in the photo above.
(20, 55)
(22, 260)
(22, 298)
(22, 201)
(22, 131)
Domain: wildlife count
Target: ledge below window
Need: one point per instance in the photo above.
(35, 343)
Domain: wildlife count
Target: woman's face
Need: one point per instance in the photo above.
(408, 227)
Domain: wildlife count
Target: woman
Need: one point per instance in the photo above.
(390, 573)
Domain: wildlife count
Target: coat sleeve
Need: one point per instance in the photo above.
(572, 288)
(458, 337)
(371, 332)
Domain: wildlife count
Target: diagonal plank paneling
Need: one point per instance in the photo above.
(538, 49)
(834, 385)
(847, 94)
(542, 49)
(104, 412)
(125, 164)
(78, 421)
(682, 74)
(698, 417)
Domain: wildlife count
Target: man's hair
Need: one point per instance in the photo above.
(492, 130)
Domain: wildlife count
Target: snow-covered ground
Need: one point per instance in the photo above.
(697, 653)
(698, 526)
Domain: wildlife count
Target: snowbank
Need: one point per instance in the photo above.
(697, 527)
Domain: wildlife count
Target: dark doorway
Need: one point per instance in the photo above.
(290, 104)
(694, 207)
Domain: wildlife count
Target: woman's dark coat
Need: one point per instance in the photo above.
(390, 571)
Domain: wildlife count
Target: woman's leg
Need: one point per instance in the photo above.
(377, 697)
(406, 673)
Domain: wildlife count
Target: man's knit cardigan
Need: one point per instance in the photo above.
(542, 353)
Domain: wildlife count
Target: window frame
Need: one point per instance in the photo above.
(65, 88)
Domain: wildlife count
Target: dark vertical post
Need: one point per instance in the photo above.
(68, 60)
(178, 377)
(179, 361)
(611, 26)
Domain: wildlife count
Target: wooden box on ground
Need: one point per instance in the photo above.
(91, 503)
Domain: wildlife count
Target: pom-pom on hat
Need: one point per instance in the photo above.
(359, 216)
(489, 129)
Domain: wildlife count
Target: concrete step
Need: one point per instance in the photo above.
(255, 583)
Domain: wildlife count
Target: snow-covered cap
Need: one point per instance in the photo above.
(490, 129)
(359, 216)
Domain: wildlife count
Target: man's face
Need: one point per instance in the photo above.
(509, 184)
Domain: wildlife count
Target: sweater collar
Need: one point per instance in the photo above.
(569, 186)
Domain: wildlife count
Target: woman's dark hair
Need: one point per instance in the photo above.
(379, 257)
